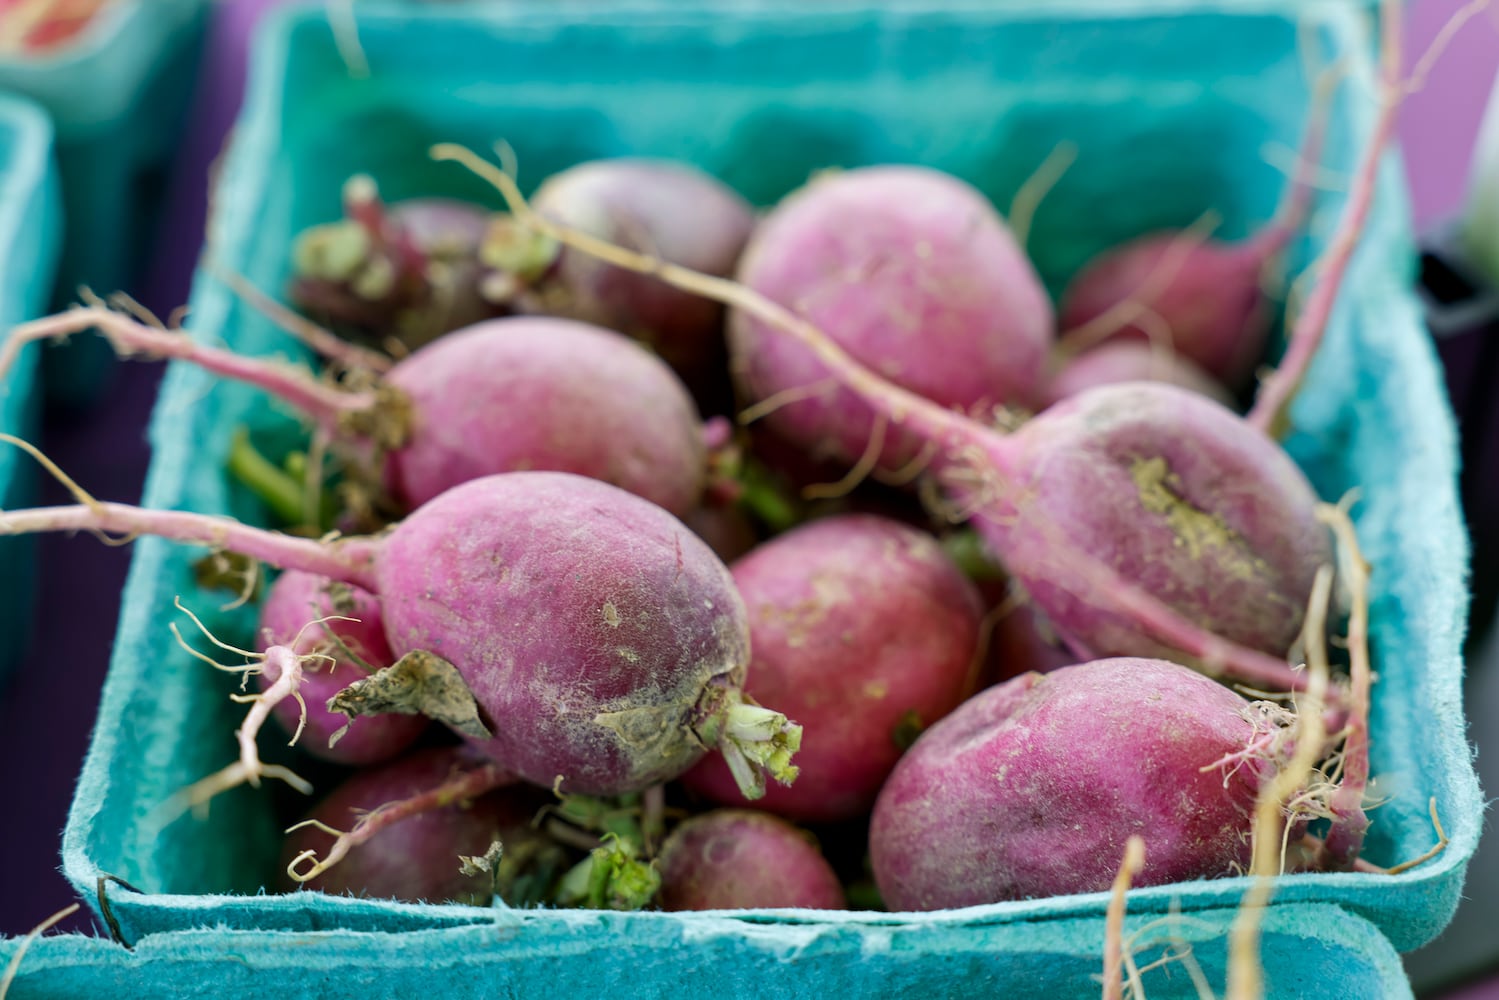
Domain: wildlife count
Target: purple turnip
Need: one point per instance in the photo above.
(407, 271)
(597, 640)
(668, 209)
(911, 272)
(355, 643)
(1131, 361)
(860, 627)
(518, 393)
(418, 859)
(1031, 788)
(1202, 298)
(732, 859)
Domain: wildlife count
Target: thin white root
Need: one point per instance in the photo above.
(247, 590)
(127, 304)
(67, 481)
(1113, 941)
(785, 397)
(1246, 975)
(301, 632)
(1345, 836)
(1158, 334)
(15, 960)
(1423, 66)
(244, 670)
(319, 339)
(317, 824)
(250, 769)
(461, 787)
(1441, 845)
(248, 654)
(1036, 187)
(860, 470)
(1183, 954)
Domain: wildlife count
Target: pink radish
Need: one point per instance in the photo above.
(1030, 788)
(603, 643)
(508, 394)
(1173, 493)
(1202, 298)
(915, 275)
(419, 858)
(735, 859)
(1210, 307)
(1131, 361)
(860, 628)
(553, 394)
(357, 648)
(669, 209)
(407, 271)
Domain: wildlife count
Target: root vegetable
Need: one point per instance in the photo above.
(603, 642)
(915, 275)
(861, 628)
(1132, 361)
(732, 859)
(418, 858)
(661, 207)
(1032, 788)
(357, 648)
(518, 393)
(407, 271)
(1204, 299)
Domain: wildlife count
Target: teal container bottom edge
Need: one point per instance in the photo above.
(135, 915)
(1318, 952)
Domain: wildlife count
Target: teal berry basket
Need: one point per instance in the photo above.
(30, 230)
(1170, 105)
(1307, 951)
(118, 95)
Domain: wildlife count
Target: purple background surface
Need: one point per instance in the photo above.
(48, 710)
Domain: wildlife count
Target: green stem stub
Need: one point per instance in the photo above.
(766, 498)
(618, 816)
(276, 489)
(756, 741)
(972, 555)
(519, 253)
(612, 877)
(334, 251)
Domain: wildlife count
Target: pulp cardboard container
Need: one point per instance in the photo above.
(1171, 106)
(117, 94)
(1317, 952)
(30, 225)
